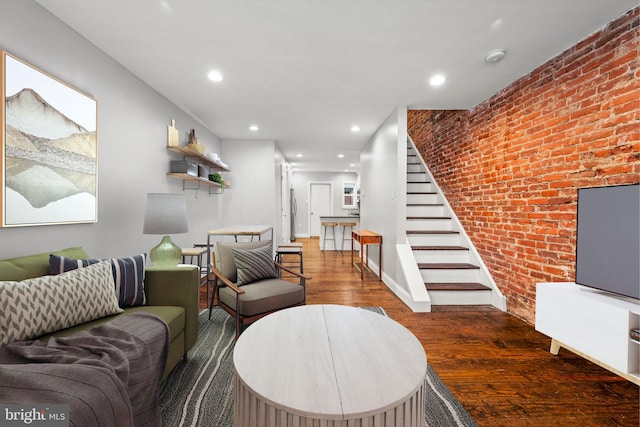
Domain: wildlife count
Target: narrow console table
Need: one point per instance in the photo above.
(328, 365)
(366, 238)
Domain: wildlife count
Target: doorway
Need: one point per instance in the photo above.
(320, 204)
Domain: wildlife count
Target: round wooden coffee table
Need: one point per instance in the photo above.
(326, 365)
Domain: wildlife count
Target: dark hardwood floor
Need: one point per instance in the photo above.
(496, 365)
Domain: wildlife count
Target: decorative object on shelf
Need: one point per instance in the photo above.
(165, 214)
(195, 169)
(41, 185)
(173, 135)
(217, 177)
(192, 137)
(194, 144)
(178, 166)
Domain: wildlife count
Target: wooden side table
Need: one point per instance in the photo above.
(366, 238)
(196, 253)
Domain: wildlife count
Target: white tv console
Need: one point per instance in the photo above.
(591, 323)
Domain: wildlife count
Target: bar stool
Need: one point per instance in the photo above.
(196, 253)
(290, 249)
(346, 236)
(329, 226)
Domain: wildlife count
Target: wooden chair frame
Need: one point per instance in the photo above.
(241, 320)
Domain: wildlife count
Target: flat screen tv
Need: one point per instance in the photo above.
(608, 239)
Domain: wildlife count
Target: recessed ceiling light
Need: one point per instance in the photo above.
(341, 155)
(215, 75)
(495, 55)
(298, 155)
(496, 25)
(352, 165)
(254, 128)
(437, 80)
(355, 128)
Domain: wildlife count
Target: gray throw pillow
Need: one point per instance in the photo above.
(254, 264)
(224, 256)
(46, 304)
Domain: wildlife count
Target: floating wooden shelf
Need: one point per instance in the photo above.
(199, 180)
(201, 158)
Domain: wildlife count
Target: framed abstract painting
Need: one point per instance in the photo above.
(49, 149)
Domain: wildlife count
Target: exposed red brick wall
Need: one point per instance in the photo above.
(511, 166)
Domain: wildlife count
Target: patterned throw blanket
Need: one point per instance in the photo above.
(109, 376)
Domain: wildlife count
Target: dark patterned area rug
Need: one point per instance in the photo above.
(199, 392)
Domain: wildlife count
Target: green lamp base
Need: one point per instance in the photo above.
(166, 254)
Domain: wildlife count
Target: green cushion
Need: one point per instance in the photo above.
(174, 316)
(30, 266)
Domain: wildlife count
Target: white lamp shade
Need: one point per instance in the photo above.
(165, 214)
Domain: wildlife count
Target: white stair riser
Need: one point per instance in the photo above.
(460, 297)
(423, 198)
(429, 224)
(450, 276)
(414, 167)
(419, 187)
(438, 256)
(417, 177)
(434, 239)
(476, 297)
(425, 210)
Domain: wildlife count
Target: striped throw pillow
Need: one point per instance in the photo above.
(254, 264)
(128, 275)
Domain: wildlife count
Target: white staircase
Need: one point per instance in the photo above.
(451, 268)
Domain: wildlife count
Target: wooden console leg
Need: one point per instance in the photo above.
(555, 347)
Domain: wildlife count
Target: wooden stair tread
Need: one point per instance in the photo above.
(428, 217)
(439, 248)
(447, 266)
(467, 286)
(425, 204)
(422, 192)
(432, 232)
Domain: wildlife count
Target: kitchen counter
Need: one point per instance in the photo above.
(339, 244)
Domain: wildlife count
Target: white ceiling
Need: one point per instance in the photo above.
(305, 71)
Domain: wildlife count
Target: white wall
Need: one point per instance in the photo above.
(254, 197)
(132, 136)
(300, 184)
(382, 191)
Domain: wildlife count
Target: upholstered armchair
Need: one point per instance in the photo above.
(247, 282)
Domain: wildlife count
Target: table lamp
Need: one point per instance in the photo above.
(165, 214)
